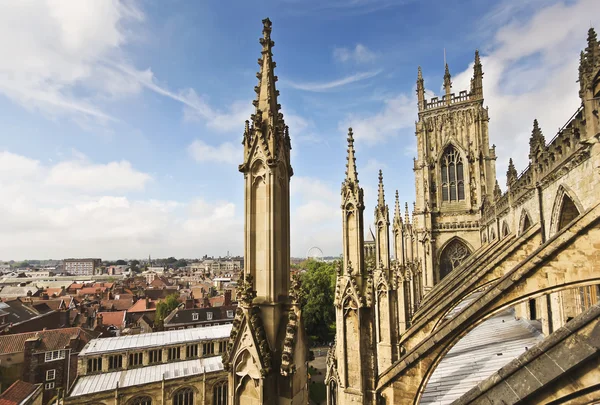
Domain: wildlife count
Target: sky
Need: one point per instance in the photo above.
(121, 121)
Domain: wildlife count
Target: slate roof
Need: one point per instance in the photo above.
(53, 339)
(117, 305)
(89, 384)
(15, 292)
(155, 339)
(185, 316)
(17, 311)
(18, 392)
(479, 354)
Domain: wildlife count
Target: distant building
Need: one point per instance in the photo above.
(116, 270)
(81, 267)
(179, 366)
(48, 357)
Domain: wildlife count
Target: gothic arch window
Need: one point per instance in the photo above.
(332, 393)
(505, 230)
(184, 396)
(220, 393)
(568, 212)
(141, 400)
(453, 254)
(453, 184)
(525, 222)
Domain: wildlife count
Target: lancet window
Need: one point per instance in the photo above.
(453, 184)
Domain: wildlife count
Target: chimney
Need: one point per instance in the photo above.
(205, 302)
(98, 320)
(227, 300)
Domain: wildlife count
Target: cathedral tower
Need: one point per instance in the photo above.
(454, 173)
(352, 365)
(266, 354)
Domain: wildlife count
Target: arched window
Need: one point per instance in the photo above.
(452, 256)
(568, 212)
(526, 223)
(453, 184)
(332, 393)
(505, 230)
(142, 400)
(220, 393)
(184, 396)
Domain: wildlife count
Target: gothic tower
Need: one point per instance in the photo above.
(266, 354)
(385, 287)
(352, 365)
(455, 172)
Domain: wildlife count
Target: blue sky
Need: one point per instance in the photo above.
(121, 121)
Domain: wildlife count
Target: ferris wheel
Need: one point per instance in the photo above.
(315, 253)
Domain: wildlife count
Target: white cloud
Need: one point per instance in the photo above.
(398, 114)
(85, 176)
(65, 219)
(53, 49)
(325, 86)
(360, 54)
(224, 153)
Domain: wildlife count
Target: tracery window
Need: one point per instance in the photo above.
(453, 184)
(140, 401)
(220, 394)
(453, 255)
(184, 396)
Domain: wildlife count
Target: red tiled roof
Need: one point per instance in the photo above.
(53, 339)
(116, 318)
(75, 286)
(118, 305)
(52, 291)
(91, 290)
(143, 305)
(17, 392)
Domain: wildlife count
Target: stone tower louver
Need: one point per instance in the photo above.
(266, 355)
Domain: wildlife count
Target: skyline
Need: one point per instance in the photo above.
(112, 112)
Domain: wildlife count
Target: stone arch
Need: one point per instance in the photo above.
(248, 391)
(140, 400)
(525, 221)
(484, 236)
(184, 396)
(452, 254)
(481, 318)
(566, 208)
(505, 229)
(492, 234)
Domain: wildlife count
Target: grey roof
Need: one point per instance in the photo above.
(155, 339)
(108, 381)
(16, 292)
(483, 351)
(185, 316)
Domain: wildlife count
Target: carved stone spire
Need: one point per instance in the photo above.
(477, 80)
(351, 173)
(397, 212)
(267, 121)
(511, 173)
(497, 191)
(448, 85)
(589, 63)
(592, 52)
(406, 216)
(381, 195)
(537, 140)
(420, 90)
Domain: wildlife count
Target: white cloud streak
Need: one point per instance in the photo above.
(223, 153)
(360, 54)
(334, 84)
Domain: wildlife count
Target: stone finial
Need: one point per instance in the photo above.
(397, 212)
(593, 49)
(477, 80)
(448, 84)
(351, 173)
(511, 173)
(381, 195)
(537, 140)
(497, 191)
(406, 216)
(420, 89)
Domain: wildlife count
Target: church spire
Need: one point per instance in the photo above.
(537, 140)
(381, 195)
(420, 90)
(477, 80)
(266, 93)
(511, 173)
(448, 85)
(351, 173)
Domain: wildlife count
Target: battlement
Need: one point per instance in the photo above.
(462, 97)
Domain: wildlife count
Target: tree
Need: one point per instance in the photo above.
(318, 289)
(164, 308)
(120, 262)
(180, 263)
(170, 260)
(134, 266)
